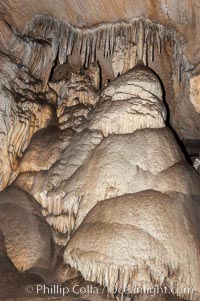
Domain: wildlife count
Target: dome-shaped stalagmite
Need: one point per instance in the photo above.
(138, 217)
(130, 102)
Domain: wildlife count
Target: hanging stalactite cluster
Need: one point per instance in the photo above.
(144, 34)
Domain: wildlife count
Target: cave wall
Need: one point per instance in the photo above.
(181, 16)
(83, 127)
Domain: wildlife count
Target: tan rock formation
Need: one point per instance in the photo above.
(47, 186)
(194, 92)
(130, 102)
(178, 17)
(83, 133)
(27, 236)
(140, 169)
(139, 239)
(22, 111)
(119, 247)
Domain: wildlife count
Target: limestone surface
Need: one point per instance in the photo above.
(27, 237)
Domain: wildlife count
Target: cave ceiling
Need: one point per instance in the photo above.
(183, 15)
(180, 17)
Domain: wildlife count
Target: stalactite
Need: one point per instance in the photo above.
(140, 40)
(93, 47)
(63, 45)
(145, 34)
(70, 41)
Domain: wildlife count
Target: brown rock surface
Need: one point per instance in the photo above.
(83, 134)
(27, 236)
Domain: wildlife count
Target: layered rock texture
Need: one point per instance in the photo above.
(99, 157)
(121, 193)
(179, 18)
(23, 75)
(140, 199)
(26, 237)
(52, 70)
